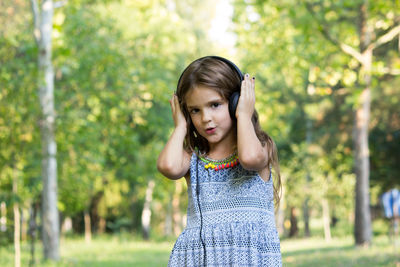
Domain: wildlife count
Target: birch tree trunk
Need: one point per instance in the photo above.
(326, 218)
(3, 218)
(146, 213)
(43, 20)
(17, 229)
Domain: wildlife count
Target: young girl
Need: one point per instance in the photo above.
(226, 161)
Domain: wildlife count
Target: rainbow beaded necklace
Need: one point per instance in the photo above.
(217, 165)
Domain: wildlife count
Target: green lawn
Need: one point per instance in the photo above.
(123, 251)
(339, 252)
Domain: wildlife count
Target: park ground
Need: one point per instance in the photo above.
(125, 250)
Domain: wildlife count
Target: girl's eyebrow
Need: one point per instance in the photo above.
(208, 103)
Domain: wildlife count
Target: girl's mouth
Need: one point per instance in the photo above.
(210, 130)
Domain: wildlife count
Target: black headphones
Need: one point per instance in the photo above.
(234, 98)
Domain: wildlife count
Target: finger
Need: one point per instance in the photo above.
(253, 86)
(246, 78)
(248, 85)
(243, 87)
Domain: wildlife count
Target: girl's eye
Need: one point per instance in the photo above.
(215, 105)
(194, 111)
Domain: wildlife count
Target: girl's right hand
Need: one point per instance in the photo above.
(177, 114)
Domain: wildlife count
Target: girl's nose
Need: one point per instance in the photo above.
(206, 116)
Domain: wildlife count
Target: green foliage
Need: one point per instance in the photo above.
(307, 88)
(19, 116)
(117, 64)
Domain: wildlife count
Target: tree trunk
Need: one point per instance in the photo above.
(50, 217)
(66, 225)
(32, 231)
(146, 213)
(17, 226)
(306, 212)
(94, 211)
(168, 219)
(88, 227)
(102, 225)
(43, 20)
(306, 218)
(362, 227)
(294, 229)
(280, 216)
(17, 229)
(3, 217)
(326, 220)
(22, 225)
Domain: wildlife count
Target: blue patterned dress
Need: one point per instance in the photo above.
(233, 225)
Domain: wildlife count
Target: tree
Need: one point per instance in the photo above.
(369, 39)
(341, 81)
(43, 21)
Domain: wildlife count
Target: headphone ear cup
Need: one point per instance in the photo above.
(233, 102)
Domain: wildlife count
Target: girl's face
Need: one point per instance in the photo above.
(210, 116)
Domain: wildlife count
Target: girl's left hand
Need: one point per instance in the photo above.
(247, 98)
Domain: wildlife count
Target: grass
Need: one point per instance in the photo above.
(122, 250)
(106, 250)
(339, 252)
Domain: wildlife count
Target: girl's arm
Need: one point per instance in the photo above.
(173, 161)
(252, 155)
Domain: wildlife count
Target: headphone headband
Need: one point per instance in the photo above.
(232, 65)
(228, 62)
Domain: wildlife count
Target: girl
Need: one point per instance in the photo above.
(226, 161)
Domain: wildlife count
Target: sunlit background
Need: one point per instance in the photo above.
(327, 89)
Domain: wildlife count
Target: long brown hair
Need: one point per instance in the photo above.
(216, 74)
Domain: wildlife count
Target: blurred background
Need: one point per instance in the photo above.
(327, 89)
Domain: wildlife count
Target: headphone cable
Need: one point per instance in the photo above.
(201, 215)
